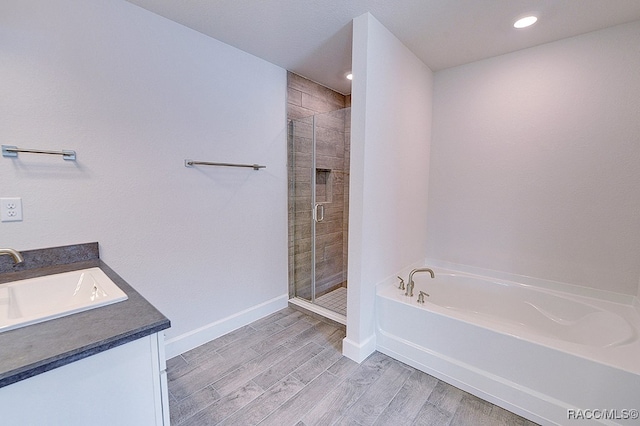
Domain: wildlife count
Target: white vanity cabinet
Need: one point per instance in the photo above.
(122, 386)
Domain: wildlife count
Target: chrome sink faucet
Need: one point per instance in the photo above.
(411, 284)
(17, 257)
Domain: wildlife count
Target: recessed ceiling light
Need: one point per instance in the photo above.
(525, 22)
(349, 76)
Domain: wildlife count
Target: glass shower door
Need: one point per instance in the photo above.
(301, 223)
(318, 185)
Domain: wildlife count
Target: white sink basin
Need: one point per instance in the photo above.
(35, 300)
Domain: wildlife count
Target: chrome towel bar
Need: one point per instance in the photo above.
(12, 151)
(191, 163)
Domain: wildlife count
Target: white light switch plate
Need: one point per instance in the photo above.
(10, 209)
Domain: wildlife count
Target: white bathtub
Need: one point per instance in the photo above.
(549, 356)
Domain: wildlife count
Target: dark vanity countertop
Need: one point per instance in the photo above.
(35, 349)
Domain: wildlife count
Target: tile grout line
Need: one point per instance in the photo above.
(326, 395)
(292, 396)
(394, 396)
(363, 393)
(226, 375)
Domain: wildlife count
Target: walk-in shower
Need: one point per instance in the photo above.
(318, 211)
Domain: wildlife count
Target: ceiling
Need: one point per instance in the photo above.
(313, 37)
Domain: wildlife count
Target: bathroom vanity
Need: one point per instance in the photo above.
(104, 366)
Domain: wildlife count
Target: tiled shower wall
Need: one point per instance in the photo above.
(305, 99)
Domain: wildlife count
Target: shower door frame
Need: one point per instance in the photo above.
(314, 209)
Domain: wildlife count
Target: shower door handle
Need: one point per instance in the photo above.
(318, 212)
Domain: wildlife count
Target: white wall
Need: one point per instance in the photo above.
(535, 162)
(135, 94)
(391, 126)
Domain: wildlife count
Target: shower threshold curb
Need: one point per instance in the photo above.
(325, 313)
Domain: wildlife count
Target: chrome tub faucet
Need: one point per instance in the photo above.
(411, 284)
(17, 257)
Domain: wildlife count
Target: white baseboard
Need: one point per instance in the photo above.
(192, 339)
(358, 352)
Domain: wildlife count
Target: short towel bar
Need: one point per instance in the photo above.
(12, 151)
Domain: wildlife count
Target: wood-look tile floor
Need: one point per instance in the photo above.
(287, 369)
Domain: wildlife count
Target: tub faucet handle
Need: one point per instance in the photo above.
(421, 296)
(401, 286)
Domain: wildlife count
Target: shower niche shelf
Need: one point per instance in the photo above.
(324, 185)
